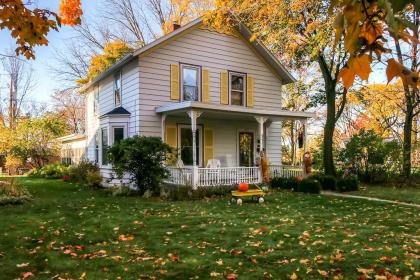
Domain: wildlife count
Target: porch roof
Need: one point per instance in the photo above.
(186, 106)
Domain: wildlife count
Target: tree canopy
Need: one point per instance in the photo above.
(29, 25)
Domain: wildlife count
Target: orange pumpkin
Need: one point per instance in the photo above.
(243, 187)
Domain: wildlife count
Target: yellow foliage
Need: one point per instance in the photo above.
(30, 26)
(113, 51)
(70, 12)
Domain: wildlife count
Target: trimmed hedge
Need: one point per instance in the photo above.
(348, 184)
(283, 183)
(309, 185)
(327, 182)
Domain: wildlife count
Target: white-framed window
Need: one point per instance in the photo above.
(237, 88)
(96, 100)
(118, 134)
(190, 82)
(117, 89)
(97, 147)
(185, 144)
(104, 145)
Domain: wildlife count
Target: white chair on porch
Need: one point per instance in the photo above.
(231, 172)
(212, 175)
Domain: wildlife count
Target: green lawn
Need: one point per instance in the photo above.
(71, 232)
(404, 194)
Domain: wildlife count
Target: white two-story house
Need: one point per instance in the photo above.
(215, 98)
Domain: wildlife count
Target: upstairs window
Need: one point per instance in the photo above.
(190, 78)
(237, 88)
(117, 89)
(96, 100)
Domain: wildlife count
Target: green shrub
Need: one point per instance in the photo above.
(50, 171)
(348, 184)
(143, 159)
(93, 178)
(309, 185)
(13, 193)
(85, 173)
(327, 182)
(283, 183)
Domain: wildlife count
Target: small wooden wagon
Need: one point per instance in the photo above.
(254, 194)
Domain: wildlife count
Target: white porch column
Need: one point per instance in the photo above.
(163, 125)
(261, 121)
(194, 115)
(304, 123)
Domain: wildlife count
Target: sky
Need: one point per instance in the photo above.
(46, 82)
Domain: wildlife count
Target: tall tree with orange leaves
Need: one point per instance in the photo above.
(367, 26)
(300, 32)
(29, 25)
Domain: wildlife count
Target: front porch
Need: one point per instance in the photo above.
(227, 176)
(221, 145)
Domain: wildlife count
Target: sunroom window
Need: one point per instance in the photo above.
(237, 88)
(190, 77)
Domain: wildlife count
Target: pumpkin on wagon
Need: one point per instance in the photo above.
(257, 193)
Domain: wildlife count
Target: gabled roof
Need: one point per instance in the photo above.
(117, 111)
(242, 29)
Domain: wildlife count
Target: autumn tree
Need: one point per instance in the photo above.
(113, 51)
(300, 33)
(69, 105)
(296, 97)
(366, 26)
(30, 25)
(35, 139)
(382, 108)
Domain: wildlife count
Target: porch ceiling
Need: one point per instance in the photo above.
(218, 110)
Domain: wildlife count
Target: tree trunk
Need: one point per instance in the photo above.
(328, 158)
(408, 128)
(330, 83)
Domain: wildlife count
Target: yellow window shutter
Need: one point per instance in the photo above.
(208, 144)
(250, 91)
(205, 86)
(224, 91)
(170, 135)
(175, 92)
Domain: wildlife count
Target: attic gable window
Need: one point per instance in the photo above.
(117, 89)
(190, 78)
(237, 88)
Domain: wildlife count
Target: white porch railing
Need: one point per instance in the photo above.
(285, 171)
(227, 176)
(179, 176)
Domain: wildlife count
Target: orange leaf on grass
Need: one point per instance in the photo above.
(124, 237)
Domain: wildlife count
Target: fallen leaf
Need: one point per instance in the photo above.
(232, 276)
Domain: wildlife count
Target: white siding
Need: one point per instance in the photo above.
(129, 101)
(273, 142)
(213, 51)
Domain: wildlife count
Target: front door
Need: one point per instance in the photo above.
(246, 149)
